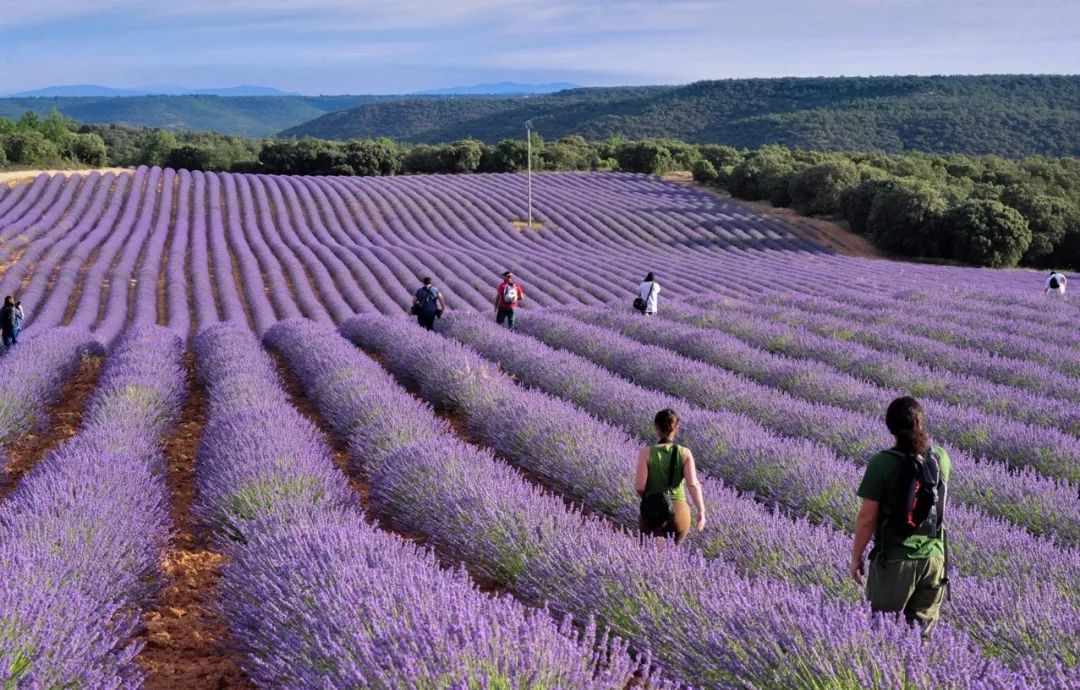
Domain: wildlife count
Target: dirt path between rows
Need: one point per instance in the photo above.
(187, 642)
(64, 420)
(14, 177)
(357, 483)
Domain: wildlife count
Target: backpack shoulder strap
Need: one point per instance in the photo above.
(943, 490)
(672, 462)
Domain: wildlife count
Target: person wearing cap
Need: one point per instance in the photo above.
(508, 295)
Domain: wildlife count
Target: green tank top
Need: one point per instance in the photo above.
(659, 467)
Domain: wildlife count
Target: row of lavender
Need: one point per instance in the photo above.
(31, 378)
(928, 325)
(724, 625)
(795, 479)
(81, 537)
(315, 596)
(325, 248)
(736, 448)
(250, 227)
(845, 399)
(683, 209)
(888, 357)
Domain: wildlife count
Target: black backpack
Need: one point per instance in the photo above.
(917, 503)
(657, 508)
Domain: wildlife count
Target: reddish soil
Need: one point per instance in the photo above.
(833, 235)
(360, 486)
(461, 430)
(64, 419)
(187, 642)
(338, 450)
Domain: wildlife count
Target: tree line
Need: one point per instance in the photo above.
(981, 210)
(53, 141)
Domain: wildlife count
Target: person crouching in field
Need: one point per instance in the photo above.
(1055, 284)
(428, 304)
(508, 295)
(665, 471)
(904, 494)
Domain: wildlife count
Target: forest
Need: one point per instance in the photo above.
(1006, 115)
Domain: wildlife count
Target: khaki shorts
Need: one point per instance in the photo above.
(913, 587)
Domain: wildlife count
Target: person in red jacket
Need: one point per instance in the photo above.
(507, 298)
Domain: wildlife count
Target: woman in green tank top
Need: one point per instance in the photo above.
(658, 472)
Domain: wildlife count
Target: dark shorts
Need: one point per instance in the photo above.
(426, 319)
(678, 525)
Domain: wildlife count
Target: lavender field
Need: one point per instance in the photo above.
(274, 478)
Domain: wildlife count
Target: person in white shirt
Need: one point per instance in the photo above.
(1056, 284)
(649, 294)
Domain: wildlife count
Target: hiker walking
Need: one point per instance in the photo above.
(904, 494)
(507, 298)
(10, 321)
(648, 295)
(19, 315)
(1055, 284)
(665, 471)
(428, 304)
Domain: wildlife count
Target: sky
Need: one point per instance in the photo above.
(388, 46)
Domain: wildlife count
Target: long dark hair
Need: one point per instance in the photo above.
(650, 278)
(905, 420)
(9, 301)
(665, 422)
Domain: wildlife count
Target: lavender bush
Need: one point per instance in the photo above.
(82, 535)
(317, 597)
(540, 440)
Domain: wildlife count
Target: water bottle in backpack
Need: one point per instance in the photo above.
(917, 505)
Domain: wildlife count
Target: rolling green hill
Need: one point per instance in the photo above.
(1008, 115)
(255, 116)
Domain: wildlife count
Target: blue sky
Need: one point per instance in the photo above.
(382, 46)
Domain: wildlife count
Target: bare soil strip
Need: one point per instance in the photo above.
(14, 177)
(163, 267)
(187, 643)
(64, 419)
(832, 235)
(237, 273)
(79, 285)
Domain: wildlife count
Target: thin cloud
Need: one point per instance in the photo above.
(353, 42)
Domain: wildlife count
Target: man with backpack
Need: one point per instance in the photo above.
(904, 495)
(10, 320)
(507, 298)
(428, 304)
(1056, 284)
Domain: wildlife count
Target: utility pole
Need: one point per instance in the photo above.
(528, 175)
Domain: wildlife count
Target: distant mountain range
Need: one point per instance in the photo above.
(502, 88)
(94, 90)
